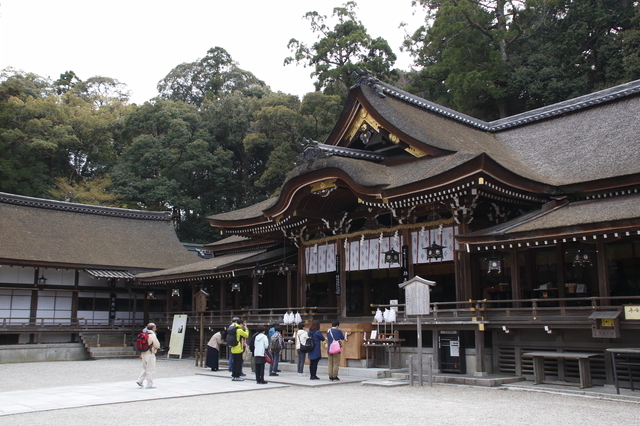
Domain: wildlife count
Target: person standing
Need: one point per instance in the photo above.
(275, 346)
(213, 349)
(300, 338)
(149, 358)
(236, 351)
(260, 344)
(334, 334)
(230, 355)
(315, 354)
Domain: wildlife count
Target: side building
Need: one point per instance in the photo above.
(68, 268)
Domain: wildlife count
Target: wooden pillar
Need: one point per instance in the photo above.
(301, 281)
(255, 292)
(436, 348)
(223, 305)
(560, 270)
(480, 368)
(289, 289)
(342, 297)
(464, 288)
(604, 286)
(515, 277)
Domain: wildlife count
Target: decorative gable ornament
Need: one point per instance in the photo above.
(417, 293)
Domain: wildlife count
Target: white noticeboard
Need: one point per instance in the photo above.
(454, 348)
(417, 296)
(177, 335)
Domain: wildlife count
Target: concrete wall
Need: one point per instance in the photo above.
(43, 352)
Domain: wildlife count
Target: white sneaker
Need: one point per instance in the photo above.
(151, 387)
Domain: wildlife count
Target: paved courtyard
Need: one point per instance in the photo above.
(104, 392)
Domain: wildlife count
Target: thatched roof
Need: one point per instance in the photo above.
(45, 232)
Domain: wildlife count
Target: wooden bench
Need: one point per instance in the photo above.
(584, 364)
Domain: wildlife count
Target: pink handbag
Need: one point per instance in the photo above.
(334, 347)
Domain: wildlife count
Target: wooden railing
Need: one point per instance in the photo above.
(558, 309)
(217, 319)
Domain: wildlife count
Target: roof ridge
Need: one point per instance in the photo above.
(23, 200)
(553, 110)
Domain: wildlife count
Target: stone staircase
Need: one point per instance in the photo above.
(108, 345)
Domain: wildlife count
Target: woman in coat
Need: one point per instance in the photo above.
(213, 349)
(261, 344)
(315, 355)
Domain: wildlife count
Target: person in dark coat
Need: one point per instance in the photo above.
(315, 354)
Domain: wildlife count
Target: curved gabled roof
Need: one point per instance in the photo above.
(564, 148)
(588, 138)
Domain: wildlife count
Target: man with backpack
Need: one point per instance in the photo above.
(148, 354)
(234, 342)
(276, 343)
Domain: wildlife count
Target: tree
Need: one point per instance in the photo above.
(494, 58)
(212, 75)
(341, 51)
(44, 136)
(173, 164)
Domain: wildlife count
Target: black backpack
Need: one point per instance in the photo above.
(252, 342)
(232, 339)
(309, 345)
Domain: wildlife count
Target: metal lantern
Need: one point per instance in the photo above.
(42, 280)
(434, 251)
(392, 256)
(284, 268)
(235, 286)
(258, 271)
(151, 295)
(495, 265)
(175, 292)
(581, 257)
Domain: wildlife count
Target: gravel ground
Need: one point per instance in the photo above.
(352, 404)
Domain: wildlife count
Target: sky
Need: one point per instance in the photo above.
(138, 42)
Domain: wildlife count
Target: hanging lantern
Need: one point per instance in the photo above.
(434, 251)
(42, 280)
(392, 256)
(581, 257)
(495, 265)
(284, 268)
(235, 286)
(151, 295)
(258, 271)
(175, 292)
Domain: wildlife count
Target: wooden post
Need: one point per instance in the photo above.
(604, 287)
(419, 331)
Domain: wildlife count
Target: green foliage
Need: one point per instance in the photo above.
(211, 76)
(496, 58)
(90, 191)
(341, 50)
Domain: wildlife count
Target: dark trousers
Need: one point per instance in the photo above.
(313, 367)
(259, 369)
(212, 358)
(237, 365)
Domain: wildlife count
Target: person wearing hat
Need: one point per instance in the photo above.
(236, 351)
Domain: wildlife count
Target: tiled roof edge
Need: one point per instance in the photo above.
(560, 108)
(21, 200)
